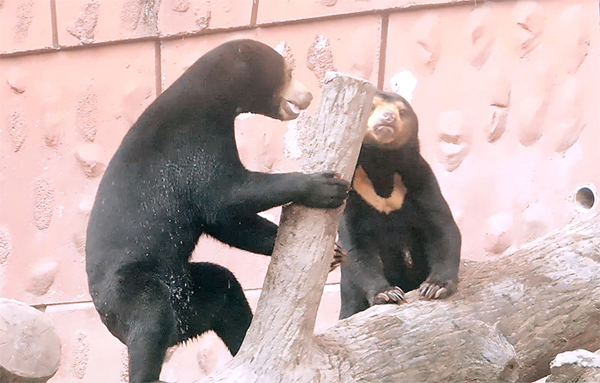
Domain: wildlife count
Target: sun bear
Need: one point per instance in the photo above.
(176, 176)
(396, 227)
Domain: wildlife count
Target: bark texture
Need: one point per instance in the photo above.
(544, 298)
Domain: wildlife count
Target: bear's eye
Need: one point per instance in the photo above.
(373, 106)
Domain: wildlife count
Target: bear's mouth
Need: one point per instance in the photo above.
(292, 110)
(293, 99)
(383, 134)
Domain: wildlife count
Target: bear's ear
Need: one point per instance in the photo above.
(246, 50)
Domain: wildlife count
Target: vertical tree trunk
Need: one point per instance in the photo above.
(280, 345)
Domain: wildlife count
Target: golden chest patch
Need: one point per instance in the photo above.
(364, 187)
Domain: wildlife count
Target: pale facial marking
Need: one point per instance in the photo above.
(388, 124)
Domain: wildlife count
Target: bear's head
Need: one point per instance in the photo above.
(392, 123)
(255, 78)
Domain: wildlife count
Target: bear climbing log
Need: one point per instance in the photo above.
(177, 176)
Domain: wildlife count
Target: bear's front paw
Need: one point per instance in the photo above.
(393, 296)
(431, 289)
(324, 190)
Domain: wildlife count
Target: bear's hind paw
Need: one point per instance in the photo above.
(392, 296)
(432, 290)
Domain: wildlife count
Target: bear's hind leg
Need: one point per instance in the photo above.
(150, 324)
(233, 325)
(353, 298)
(436, 265)
(219, 304)
(146, 348)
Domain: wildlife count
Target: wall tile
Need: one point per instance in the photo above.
(25, 25)
(89, 352)
(270, 11)
(91, 21)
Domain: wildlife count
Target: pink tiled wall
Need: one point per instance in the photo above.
(506, 93)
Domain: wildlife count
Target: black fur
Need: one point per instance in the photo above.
(175, 177)
(417, 245)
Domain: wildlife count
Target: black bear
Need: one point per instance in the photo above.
(176, 176)
(396, 227)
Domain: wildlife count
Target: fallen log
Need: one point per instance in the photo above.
(543, 299)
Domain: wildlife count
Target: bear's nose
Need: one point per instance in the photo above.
(387, 116)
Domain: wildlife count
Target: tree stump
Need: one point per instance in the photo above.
(29, 344)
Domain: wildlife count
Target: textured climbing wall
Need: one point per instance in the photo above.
(506, 93)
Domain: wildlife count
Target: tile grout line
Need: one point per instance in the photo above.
(385, 22)
(254, 13)
(54, 24)
(78, 47)
(43, 306)
(158, 66)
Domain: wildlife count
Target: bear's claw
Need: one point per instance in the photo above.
(339, 256)
(393, 296)
(431, 290)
